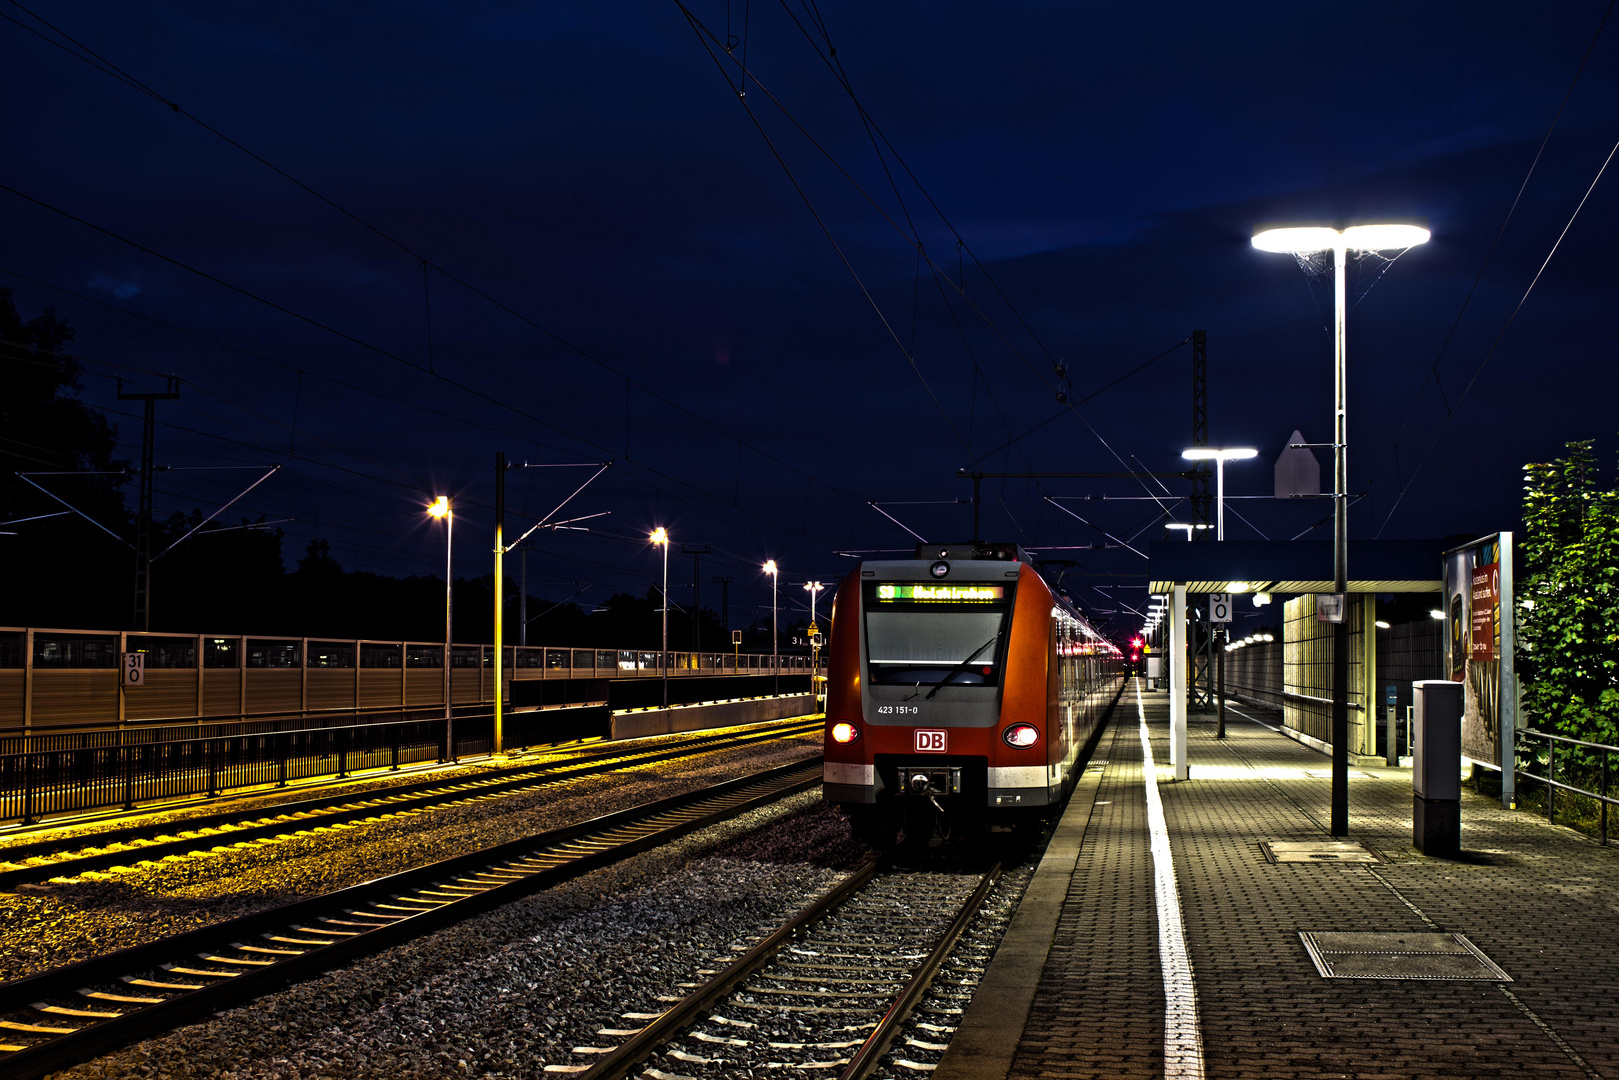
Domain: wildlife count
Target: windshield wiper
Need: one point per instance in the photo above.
(959, 668)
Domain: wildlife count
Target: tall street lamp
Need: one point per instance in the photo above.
(1219, 457)
(775, 638)
(1307, 240)
(441, 510)
(814, 589)
(661, 537)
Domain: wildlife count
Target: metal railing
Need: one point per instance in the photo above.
(67, 679)
(1553, 785)
(43, 783)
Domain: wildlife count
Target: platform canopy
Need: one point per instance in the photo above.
(1292, 566)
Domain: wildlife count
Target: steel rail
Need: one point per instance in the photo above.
(201, 971)
(644, 1043)
(877, 1043)
(524, 762)
(267, 822)
(631, 1054)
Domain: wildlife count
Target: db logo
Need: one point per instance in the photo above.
(930, 742)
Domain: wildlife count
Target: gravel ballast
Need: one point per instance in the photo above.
(59, 923)
(520, 988)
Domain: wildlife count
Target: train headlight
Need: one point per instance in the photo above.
(844, 732)
(1021, 736)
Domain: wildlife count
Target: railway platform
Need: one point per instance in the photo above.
(1169, 943)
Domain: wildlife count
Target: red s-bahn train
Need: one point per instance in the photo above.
(961, 691)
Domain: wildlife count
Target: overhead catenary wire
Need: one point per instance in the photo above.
(115, 72)
(653, 471)
(1433, 371)
(702, 35)
(101, 63)
(705, 35)
(705, 38)
(1496, 344)
(630, 466)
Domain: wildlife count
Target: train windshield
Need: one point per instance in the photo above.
(921, 633)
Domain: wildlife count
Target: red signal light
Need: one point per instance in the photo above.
(844, 732)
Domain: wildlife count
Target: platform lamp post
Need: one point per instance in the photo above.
(775, 638)
(660, 536)
(1219, 457)
(814, 588)
(1307, 240)
(441, 510)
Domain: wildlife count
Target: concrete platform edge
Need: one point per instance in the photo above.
(987, 1038)
(676, 719)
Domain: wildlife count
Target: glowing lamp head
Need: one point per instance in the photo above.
(770, 567)
(439, 507)
(1384, 237)
(1209, 453)
(660, 535)
(1021, 736)
(1305, 240)
(844, 732)
(1295, 241)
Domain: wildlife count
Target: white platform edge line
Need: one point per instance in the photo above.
(1183, 1040)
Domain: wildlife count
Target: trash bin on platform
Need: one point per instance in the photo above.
(1436, 766)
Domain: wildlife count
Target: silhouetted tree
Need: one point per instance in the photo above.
(59, 569)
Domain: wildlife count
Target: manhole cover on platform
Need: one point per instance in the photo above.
(1318, 851)
(1399, 956)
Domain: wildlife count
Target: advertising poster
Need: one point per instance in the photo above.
(1474, 650)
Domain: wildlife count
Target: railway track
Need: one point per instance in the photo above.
(46, 859)
(830, 990)
(71, 1014)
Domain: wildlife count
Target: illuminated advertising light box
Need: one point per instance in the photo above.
(949, 594)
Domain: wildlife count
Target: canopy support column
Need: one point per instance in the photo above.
(1177, 682)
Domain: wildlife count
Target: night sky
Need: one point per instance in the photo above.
(618, 267)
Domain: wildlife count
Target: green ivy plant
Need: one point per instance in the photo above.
(1568, 593)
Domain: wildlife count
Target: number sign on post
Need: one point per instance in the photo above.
(1220, 607)
(134, 669)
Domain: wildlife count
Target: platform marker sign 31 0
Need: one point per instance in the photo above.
(1220, 607)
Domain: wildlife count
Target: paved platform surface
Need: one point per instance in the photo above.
(1541, 901)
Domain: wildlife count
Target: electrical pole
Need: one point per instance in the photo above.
(143, 522)
(522, 595)
(696, 554)
(725, 598)
(500, 597)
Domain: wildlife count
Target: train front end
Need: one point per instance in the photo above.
(944, 705)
